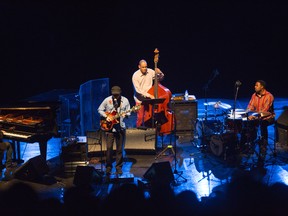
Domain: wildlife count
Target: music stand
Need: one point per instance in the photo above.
(153, 102)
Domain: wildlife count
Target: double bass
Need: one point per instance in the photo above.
(162, 113)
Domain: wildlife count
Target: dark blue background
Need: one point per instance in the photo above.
(50, 45)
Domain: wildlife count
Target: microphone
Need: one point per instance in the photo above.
(238, 83)
(115, 103)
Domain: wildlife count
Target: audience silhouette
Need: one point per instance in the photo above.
(244, 195)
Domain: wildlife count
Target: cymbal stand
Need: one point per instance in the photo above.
(176, 172)
(206, 87)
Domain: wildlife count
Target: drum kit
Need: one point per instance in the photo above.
(225, 132)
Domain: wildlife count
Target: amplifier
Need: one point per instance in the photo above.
(282, 137)
(282, 131)
(185, 115)
(137, 140)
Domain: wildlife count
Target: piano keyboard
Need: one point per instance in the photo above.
(16, 135)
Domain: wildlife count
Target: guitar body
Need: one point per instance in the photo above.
(106, 125)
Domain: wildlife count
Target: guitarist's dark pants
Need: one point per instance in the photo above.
(119, 138)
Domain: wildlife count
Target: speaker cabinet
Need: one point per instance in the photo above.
(282, 137)
(160, 172)
(35, 170)
(137, 140)
(282, 131)
(282, 121)
(86, 175)
(74, 152)
(185, 116)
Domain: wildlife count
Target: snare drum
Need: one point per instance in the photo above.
(223, 143)
(234, 121)
(232, 124)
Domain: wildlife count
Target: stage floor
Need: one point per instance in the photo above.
(193, 164)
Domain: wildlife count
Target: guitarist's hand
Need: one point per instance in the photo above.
(108, 119)
(123, 115)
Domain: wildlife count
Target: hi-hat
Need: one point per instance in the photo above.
(218, 104)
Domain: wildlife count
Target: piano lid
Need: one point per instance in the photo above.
(25, 108)
(28, 111)
(28, 115)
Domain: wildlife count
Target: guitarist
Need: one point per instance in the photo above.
(115, 104)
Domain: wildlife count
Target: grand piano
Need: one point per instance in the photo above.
(29, 122)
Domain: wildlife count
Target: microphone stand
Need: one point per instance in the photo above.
(206, 87)
(237, 84)
(235, 99)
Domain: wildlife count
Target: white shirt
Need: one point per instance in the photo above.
(143, 82)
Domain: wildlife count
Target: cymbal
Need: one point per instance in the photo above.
(218, 104)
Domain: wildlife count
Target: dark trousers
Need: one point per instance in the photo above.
(6, 146)
(264, 127)
(264, 135)
(119, 139)
(249, 134)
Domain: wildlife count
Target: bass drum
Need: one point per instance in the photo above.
(208, 127)
(221, 144)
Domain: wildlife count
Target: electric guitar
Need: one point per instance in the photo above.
(108, 125)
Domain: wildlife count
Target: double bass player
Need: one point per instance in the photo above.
(142, 80)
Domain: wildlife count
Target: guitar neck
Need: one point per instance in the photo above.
(117, 115)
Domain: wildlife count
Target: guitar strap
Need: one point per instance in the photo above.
(116, 102)
(117, 127)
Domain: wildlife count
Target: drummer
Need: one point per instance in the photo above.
(261, 105)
